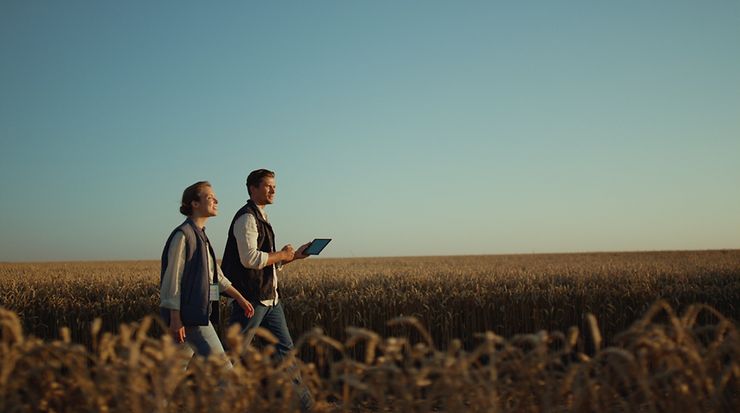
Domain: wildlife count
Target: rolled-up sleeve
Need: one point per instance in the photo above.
(169, 291)
(223, 282)
(245, 232)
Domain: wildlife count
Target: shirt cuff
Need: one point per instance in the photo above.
(223, 284)
(170, 304)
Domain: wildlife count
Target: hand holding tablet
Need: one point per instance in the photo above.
(316, 246)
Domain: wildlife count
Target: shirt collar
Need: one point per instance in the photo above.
(263, 212)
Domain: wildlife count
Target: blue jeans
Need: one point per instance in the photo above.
(201, 340)
(273, 319)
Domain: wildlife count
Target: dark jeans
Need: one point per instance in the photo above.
(272, 318)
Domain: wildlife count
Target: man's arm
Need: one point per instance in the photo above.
(298, 255)
(283, 256)
(245, 232)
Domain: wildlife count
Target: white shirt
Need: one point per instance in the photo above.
(169, 292)
(246, 234)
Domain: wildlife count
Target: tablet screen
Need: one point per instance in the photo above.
(316, 246)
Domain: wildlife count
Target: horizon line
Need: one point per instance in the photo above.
(409, 256)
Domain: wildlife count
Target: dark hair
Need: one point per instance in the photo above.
(191, 194)
(255, 178)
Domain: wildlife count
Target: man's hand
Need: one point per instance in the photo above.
(288, 253)
(176, 328)
(299, 255)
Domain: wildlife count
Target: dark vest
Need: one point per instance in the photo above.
(194, 288)
(254, 285)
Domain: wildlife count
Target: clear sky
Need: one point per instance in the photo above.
(394, 127)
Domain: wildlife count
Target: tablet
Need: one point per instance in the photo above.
(316, 246)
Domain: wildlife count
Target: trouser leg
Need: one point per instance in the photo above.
(275, 321)
(205, 342)
(247, 324)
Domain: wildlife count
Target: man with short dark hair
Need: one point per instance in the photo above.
(251, 263)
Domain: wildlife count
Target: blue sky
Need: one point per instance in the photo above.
(394, 127)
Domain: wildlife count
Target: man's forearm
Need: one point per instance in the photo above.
(276, 257)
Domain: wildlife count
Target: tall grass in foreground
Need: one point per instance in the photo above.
(663, 362)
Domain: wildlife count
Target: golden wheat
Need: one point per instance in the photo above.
(475, 355)
(456, 297)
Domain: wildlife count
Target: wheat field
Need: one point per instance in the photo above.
(454, 297)
(648, 332)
